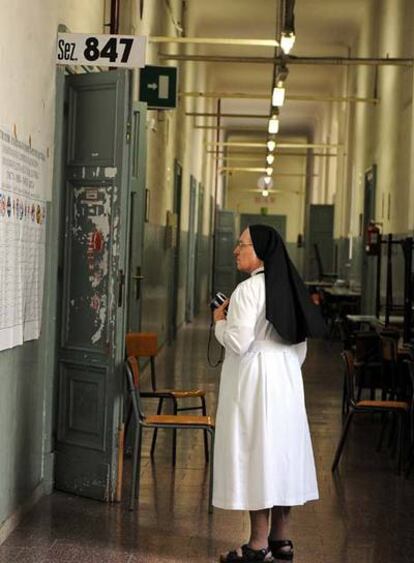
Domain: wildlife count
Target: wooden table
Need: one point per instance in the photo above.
(376, 322)
(342, 293)
(316, 283)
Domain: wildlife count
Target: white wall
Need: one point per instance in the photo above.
(27, 109)
(382, 133)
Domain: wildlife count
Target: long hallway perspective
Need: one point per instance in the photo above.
(364, 514)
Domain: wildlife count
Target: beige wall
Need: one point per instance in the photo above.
(82, 17)
(382, 133)
(27, 62)
(170, 134)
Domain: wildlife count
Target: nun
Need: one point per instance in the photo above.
(263, 452)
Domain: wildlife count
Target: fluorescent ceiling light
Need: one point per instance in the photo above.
(269, 170)
(265, 193)
(271, 145)
(278, 96)
(273, 127)
(270, 158)
(287, 41)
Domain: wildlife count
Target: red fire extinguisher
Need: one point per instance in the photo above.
(373, 239)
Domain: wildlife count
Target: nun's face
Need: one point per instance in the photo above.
(246, 259)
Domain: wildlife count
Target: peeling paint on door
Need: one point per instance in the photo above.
(110, 172)
(94, 239)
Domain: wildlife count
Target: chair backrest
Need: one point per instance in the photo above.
(318, 260)
(132, 373)
(410, 366)
(388, 349)
(141, 344)
(348, 359)
(367, 347)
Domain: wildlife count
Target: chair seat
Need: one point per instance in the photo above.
(175, 420)
(395, 405)
(183, 393)
(367, 363)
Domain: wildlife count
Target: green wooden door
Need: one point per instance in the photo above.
(136, 275)
(225, 236)
(320, 233)
(368, 263)
(191, 255)
(93, 266)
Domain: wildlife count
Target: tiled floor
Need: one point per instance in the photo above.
(365, 515)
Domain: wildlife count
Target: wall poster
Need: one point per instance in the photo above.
(22, 240)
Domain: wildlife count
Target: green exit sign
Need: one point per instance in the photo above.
(158, 87)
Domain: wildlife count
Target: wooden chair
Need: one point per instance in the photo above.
(400, 409)
(389, 367)
(410, 458)
(367, 365)
(172, 422)
(145, 345)
(321, 271)
(367, 362)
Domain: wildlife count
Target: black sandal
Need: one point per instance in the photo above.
(276, 547)
(249, 555)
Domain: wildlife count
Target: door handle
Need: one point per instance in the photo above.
(138, 277)
(121, 283)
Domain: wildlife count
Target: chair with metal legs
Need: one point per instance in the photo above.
(159, 421)
(400, 409)
(410, 458)
(145, 345)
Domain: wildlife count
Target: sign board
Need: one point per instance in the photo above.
(158, 87)
(101, 50)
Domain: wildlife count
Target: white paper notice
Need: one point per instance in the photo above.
(22, 241)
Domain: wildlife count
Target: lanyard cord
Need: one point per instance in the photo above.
(211, 363)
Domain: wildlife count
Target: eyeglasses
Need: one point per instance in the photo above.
(240, 243)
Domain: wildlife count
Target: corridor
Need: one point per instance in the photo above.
(365, 513)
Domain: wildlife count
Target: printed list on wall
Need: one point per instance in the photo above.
(22, 241)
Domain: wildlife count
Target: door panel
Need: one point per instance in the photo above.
(82, 397)
(189, 310)
(200, 292)
(92, 266)
(175, 255)
(321, 232)
(88, 288)
(91, 143)
(224, 266)
(137, 208)
(369, 263)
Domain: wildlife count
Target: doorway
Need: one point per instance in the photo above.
(95, 285)
(175, 254)
(192, 218)
(201, 256)
(368, 266)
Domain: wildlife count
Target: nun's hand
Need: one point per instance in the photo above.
(220, 313)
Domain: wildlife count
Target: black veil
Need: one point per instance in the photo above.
(288, 304)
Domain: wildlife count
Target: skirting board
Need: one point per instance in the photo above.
(13, 521)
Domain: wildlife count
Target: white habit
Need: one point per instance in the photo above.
(263, 452)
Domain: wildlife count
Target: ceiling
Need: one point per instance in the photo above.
(323, 28)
